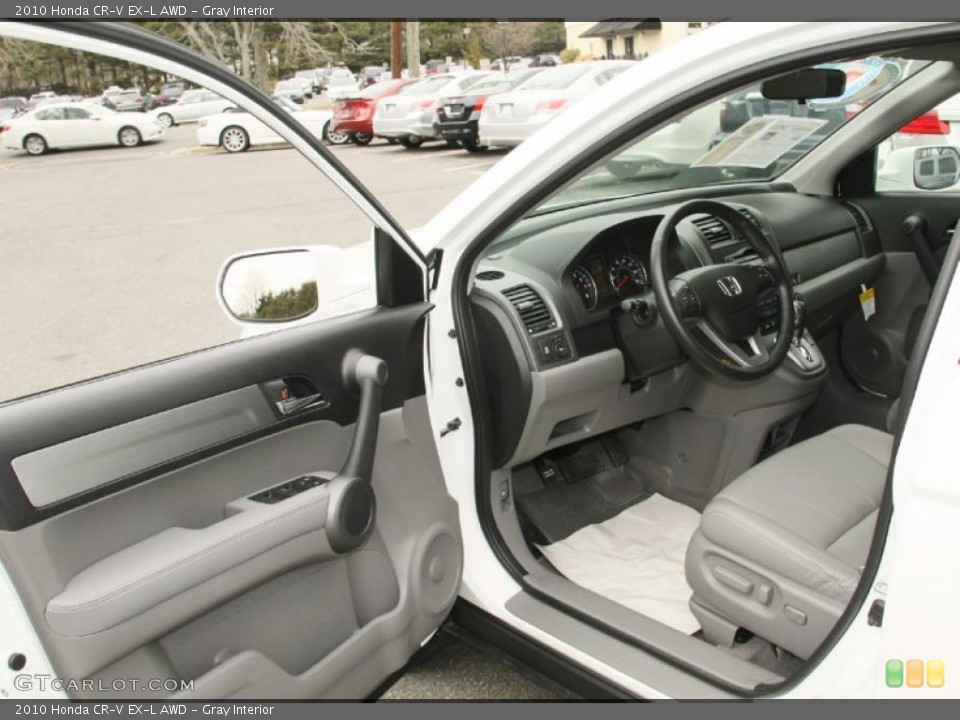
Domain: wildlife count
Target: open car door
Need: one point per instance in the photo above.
(265, 518)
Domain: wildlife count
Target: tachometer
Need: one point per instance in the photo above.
(628, 276)
(584, 285)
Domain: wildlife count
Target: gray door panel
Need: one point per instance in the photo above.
(167, 569)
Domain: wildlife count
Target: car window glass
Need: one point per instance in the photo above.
(918, 158)
(77, 114)
(50, 114)
(739, 137)
(112, 255)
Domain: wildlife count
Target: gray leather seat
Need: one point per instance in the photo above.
(779, 550)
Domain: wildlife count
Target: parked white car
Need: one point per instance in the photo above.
(342, 85)
(675, 147)
(238, 131)
(76, 125)
(514, 116)
(409, 117)
(192, 105)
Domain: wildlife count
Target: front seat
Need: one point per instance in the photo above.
(779, 551)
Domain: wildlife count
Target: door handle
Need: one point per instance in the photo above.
(298, 404)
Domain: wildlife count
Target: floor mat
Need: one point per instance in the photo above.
(635, 559)
(574, 488)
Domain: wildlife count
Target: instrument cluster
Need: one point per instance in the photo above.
(599, 281)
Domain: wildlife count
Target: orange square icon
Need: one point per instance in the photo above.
(914, 673)
(935, 672)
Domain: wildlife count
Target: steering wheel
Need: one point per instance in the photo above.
(712, 311)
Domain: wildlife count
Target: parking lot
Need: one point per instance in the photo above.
(111, 255)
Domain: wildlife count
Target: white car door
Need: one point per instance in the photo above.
(86, 128)
(52, 125)
(290, 534)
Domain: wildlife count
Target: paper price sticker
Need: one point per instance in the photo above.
(868, 302)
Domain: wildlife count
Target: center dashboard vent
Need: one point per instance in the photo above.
(533, 311)
(713, 229)
(489, 275)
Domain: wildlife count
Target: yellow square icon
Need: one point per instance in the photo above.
(935, 673)
(914, 673)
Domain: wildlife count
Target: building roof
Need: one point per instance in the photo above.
(610, 28)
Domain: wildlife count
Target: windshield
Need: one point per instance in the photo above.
(742, 137)
(556, 78)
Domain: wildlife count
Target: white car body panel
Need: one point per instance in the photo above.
(210, 128)
(193, 105)
(341, 88)
(511, 117)
(102, 128)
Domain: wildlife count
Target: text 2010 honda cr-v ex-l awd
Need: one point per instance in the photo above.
(688, 429)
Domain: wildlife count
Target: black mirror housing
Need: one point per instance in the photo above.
(807, 84)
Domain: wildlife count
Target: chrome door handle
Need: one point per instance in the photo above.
(293, 405)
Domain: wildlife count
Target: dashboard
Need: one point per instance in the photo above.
(553, 301)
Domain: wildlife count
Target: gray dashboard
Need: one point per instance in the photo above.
(543, 325)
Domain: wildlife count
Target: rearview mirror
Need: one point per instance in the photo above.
(936, 168)
(807, 84)
(275, 286)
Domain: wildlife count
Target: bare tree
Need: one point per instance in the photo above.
(507, 39)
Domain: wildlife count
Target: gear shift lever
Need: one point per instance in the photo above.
(799, 315)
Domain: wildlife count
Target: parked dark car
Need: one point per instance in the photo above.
(130, 101)
(291, 90)
(458, 116)
(354, 116)
(169, 93)
(547, 60)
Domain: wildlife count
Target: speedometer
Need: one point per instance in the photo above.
(585, 286)
(628, 276)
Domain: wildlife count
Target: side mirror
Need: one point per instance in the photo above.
(273, 286)
(936, 168)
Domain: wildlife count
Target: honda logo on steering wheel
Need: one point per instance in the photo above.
(730, 286)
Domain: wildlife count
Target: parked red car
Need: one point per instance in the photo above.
(354, 116)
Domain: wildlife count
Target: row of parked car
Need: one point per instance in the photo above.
(475, 110)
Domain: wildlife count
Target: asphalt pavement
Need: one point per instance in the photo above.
(111, 255)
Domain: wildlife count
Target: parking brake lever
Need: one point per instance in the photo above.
(352, 506)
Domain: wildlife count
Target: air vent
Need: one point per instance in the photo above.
(714, 231)
(489, 275)
(859, 217)
(533, 311)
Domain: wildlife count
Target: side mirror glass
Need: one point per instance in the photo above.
(936, 168)
(273, 286)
